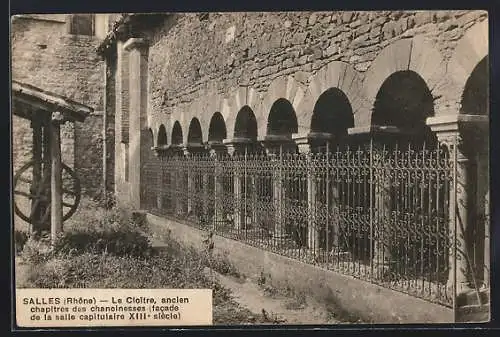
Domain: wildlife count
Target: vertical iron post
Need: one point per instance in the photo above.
(327, 224)
(372, 204)
(453, 206)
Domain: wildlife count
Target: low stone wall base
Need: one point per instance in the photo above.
(369, 302)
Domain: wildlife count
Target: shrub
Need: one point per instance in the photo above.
(116, 240)
(20, 239)
(96, 229)
(37, 251)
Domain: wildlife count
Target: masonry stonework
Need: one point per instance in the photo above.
(266, 84)
(253, 49)
(46, 56)
(261, 57)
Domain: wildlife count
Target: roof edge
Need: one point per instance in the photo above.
(120, 29)
(77, 111)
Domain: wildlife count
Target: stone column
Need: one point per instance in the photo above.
(253, 184)
(275, 151)
(138, 71)
(461, 214)
(482, 216)
(190, 183)
(121, 122)
(160, 157)
(239, 212)
(277, 200)
(455, 131)
(205, 206)
(312, 225)
(375, 139)
(381, 246)
(180, 192)
(486, 277)
(218, 189)
(174, 179)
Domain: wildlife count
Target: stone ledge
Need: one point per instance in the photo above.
(134, 42)
(369, 301)
(373, 129)
(456, 119)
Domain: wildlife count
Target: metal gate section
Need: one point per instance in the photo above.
(379, 213)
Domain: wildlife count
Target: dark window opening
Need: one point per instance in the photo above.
(82, 24)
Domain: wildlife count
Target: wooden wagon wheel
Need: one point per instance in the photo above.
(40, 195)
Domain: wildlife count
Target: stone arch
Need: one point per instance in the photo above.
(211, 103)
(180, 114)
(475, 94)
(403, 100)
(195, 135)
(471, 49)
(162, 136)
(177, 138)
(240, 98)
(417, 55)
(151, 137)
(282, 120)
(335, 74)
(245, 125)
(197, 109)
(332, 114)
(152, 134)
(217, 130)
(283, 87)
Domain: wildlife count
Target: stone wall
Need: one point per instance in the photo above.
(197, 65)
(253, 49)
(45, 56)
(379, 71)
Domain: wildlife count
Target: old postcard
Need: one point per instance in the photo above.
(248, 168)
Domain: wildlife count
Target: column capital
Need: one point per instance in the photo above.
(216, 147)
(451, 129)
(238, 145)
(302, 142)
(273, 144)
(160, 150)
(185, 150)
(379, 135)
(195, 148)
(135, 43)
(457, 123)
(374, 129)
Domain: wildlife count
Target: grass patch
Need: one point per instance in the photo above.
(111, 249)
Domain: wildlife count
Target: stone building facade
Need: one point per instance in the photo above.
(56, 52)
(196, 81)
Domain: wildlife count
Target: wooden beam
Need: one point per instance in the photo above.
(47, 101)
(56, 181)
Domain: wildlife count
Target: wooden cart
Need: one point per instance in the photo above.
(51, 188)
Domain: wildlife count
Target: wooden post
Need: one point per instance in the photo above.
(36, 125)
(56, 181)
(44, 222)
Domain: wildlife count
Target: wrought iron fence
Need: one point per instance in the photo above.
(381, 214)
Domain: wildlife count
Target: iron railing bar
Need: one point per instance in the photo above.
(372, 204)
(438, 188)
(416, 180)
(245, 196)
(327, 198)
(454, 223)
